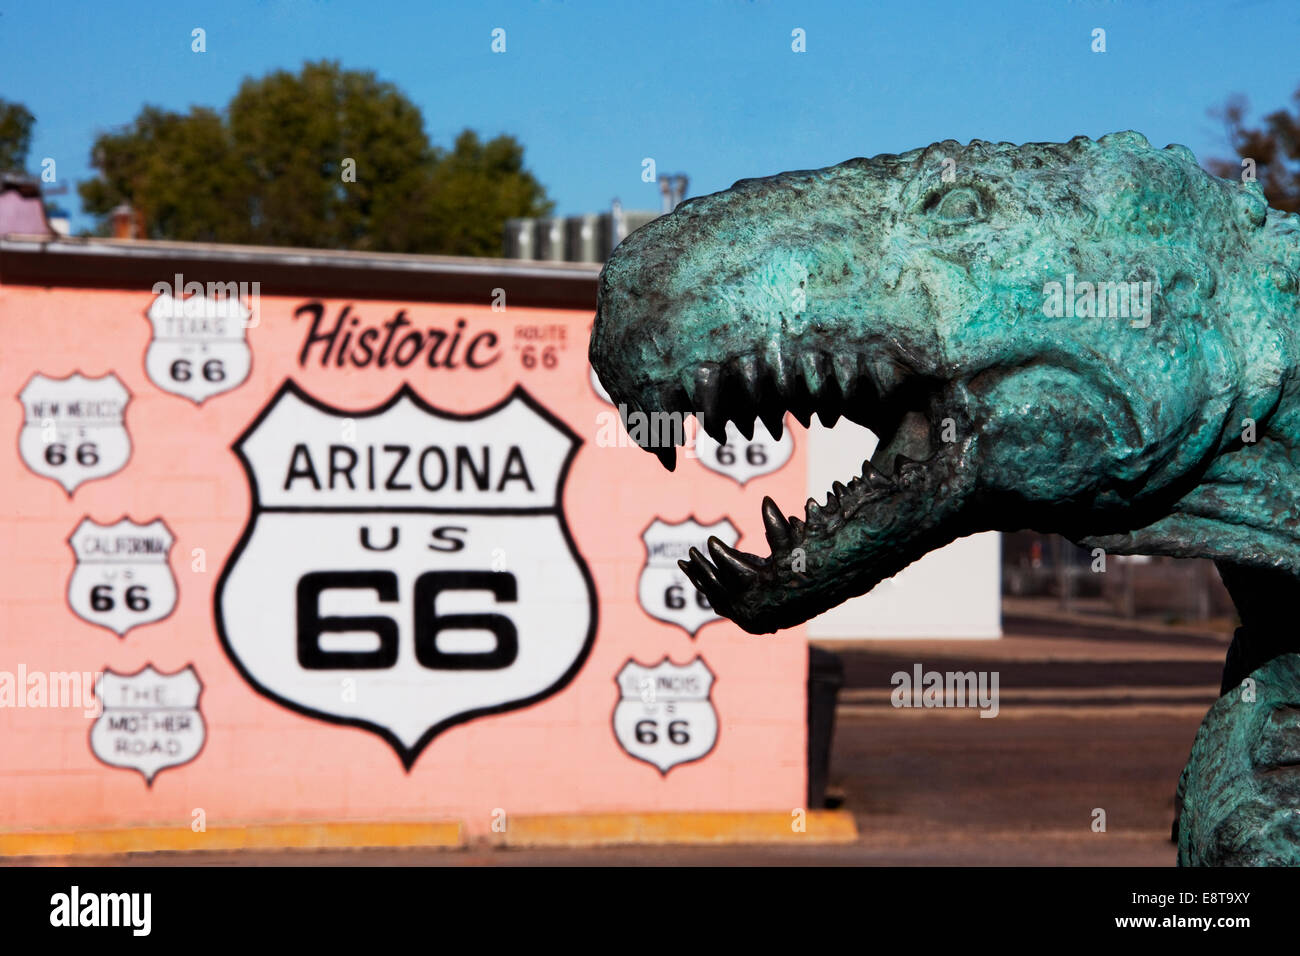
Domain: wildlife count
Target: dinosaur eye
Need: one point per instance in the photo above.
(957, 206)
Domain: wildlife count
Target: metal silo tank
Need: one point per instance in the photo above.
(519, 239)
(548, 239)
(583, 239)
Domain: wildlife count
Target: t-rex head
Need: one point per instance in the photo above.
(948, 299)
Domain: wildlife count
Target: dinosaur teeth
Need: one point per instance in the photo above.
(746, 392)
(887, 374)
(749, 372)
(740, 569)
(716, 427)
(783, 374)
(821, 381)
(813, 511)
(690, 389)
(844, 366)
(703, 569)
(775, 526)
(677, 400)
(705, 577)
(708, 396)
(813, 373)
(831, 383)
(873, 477)
(736, 568)
(773, 418)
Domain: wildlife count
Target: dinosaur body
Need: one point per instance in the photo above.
(1097, 339)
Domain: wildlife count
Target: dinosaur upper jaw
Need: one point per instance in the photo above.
(907, 500)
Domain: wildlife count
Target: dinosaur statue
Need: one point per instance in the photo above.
(1094, 338)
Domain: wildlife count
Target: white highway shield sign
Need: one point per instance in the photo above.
(406, 569)
(122, 578)
(664, 590)
(74, 428)
(150, 720)
(665, 715)
(199, 346)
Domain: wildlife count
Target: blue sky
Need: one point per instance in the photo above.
(709, 87)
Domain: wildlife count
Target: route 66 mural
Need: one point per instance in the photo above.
(405, 569)
(150, 720)
(74, 429)
(122, 578)
(663, 589)
(743, 460)
(199, 346)
(665, 715)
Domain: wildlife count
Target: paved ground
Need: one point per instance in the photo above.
(1093, 715)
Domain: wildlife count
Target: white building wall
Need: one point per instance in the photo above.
(950, 593)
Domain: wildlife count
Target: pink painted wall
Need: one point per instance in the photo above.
(262, 761)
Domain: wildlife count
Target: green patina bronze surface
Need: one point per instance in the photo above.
(939, 297)
(1239, 788)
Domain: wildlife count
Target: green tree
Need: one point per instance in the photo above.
(16, 123)
(179, 170)
(461, 207)
(1274, 146)
(293, 134)
(475, 189)
(326, 158)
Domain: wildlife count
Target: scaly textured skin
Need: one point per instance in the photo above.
(1239, 788)
(906, 292)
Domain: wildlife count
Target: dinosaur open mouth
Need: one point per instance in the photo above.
(867, 530)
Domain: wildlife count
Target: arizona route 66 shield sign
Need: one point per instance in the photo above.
(122, 578)
(74, 428)
(404, 568)
(665, 715)
(199, 346)
(664, 590)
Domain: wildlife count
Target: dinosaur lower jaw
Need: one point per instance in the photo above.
(867, 531)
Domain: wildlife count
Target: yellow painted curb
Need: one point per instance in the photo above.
(265, 837)
(559, 830)
(611, 829)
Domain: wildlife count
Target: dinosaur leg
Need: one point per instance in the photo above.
(1239, 794)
